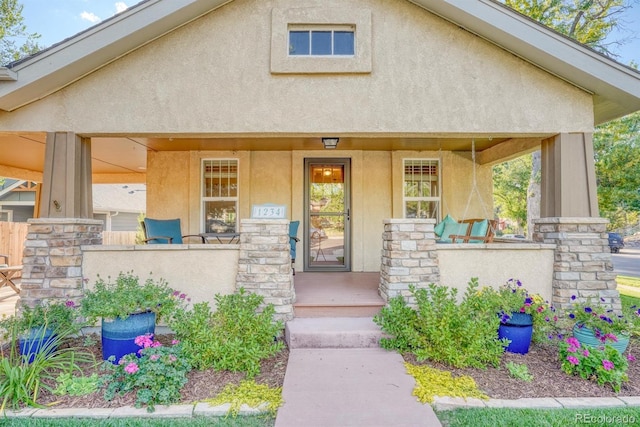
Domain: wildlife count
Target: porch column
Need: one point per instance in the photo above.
(264, 265)
(66, 181)
(52, 262)
(568, 183)
(409, 257)
(582, 263)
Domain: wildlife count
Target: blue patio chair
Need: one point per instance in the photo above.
(293, 239)
(163, 231)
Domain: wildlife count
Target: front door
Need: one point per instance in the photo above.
(327, 204)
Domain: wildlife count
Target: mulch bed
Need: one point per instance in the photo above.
(201, 384)
(548, 379)
(542, 362)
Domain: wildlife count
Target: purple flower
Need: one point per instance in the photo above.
(631, 358)
(573, 297)
(588, 310)
(572, 349)
(183, 296)
(572, 316)
(573, 360)
(70, 304)
(607, 365)
(585, 352)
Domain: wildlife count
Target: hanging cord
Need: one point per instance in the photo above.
(444, 201)
(474, 187)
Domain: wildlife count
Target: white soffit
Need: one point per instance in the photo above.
(67, 61)
(616, 87)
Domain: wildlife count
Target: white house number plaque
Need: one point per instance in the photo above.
(269, 212)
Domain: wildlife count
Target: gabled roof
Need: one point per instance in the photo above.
(615, 87)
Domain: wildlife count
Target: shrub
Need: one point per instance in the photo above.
(156, 376)
(431, 382)
(442, 330)
(248, 393)
(236, 337)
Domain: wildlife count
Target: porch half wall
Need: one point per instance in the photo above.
(494, 264)
(199, 271)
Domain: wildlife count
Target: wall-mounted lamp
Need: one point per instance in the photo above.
(330, 143)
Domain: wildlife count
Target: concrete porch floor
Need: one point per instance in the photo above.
(337, 294)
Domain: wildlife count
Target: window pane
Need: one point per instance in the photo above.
(220, 178)
(298, 42)
(220, 217)
(343, 43)
(422, 209)
(321, 42)
(421, 178)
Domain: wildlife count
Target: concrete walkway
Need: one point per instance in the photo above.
(350, 387)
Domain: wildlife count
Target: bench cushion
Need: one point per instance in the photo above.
(439, 228)
(479, 228)
(453, 228)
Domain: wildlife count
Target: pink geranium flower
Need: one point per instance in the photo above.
(607, 365)
(131, 368)
(573, 360)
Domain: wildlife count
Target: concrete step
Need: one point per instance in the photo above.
(332, 332)
(324, 310)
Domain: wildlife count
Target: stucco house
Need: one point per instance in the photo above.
(368, 121)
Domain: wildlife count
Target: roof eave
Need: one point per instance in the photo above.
(64, 63)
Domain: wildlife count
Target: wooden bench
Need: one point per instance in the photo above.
(472, 235)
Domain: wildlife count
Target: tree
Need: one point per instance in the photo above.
(589, 22)
(15, 41)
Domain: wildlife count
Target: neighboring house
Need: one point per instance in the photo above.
(221, 105)
(118, 206)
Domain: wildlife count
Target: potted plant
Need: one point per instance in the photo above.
(597, 325)
(523, 316)
(128, 309)
(37, 327)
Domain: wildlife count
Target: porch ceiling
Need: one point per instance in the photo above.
(124, 159)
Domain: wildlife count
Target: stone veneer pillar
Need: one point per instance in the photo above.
(582, 264)
(409, 257)
(52, 258)
(264, 265)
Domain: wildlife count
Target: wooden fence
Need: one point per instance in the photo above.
(12, 237)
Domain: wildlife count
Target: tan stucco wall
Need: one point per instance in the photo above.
(213, 76)
(200, 271)
(494, 264)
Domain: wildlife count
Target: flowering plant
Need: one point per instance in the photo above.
(127, 296)
(56, 315)
(603, 321)
(512, 299)
(604, 364)
(156, 373)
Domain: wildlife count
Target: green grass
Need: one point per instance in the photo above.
(248, 421)
(628, 281)
(492, 417)
(630, 287)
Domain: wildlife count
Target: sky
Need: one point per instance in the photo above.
(55, 20)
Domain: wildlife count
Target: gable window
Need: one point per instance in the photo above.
(219, 195)
(321, 42)
(421, 194)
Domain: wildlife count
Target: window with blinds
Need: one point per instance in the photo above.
(421, 195)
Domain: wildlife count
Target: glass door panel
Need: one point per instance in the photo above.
(327, 225)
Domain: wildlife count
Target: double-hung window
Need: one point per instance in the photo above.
(220, 195)
(421, 195)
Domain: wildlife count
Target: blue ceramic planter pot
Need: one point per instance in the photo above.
(39, 340)
(586, 337)
(518, 330)
(118, 336)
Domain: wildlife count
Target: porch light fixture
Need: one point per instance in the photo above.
(330, 143)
